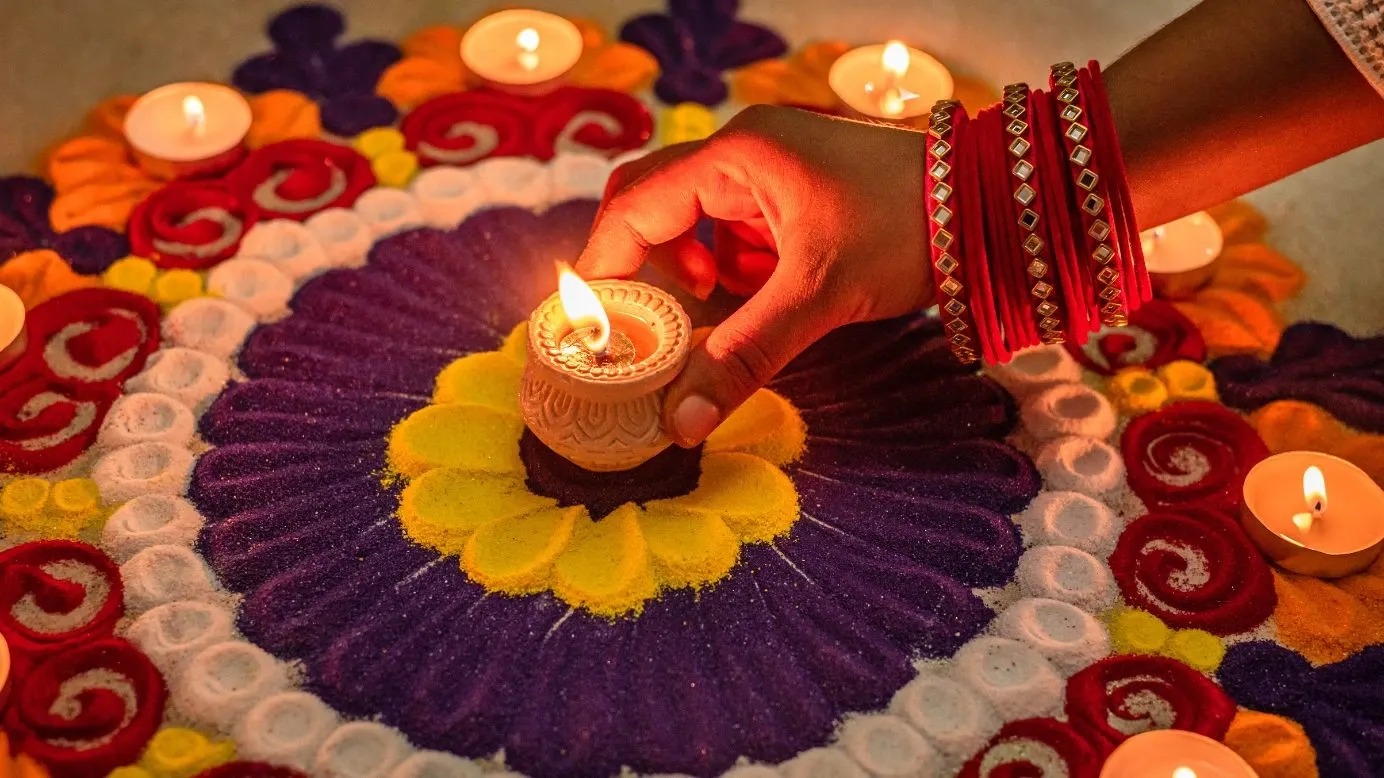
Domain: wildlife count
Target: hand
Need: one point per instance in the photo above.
(839, 201)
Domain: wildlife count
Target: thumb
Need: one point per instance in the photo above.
(741, 355)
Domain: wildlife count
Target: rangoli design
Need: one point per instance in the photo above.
(270, 507)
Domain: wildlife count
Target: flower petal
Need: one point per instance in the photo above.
(515, 555)
(1258, 269)
(745, 43)
(90, 250)
(441, 43)
(489, 378)
(689, 549)
(1234, 322)
(1274, 746)
(753, 497)
(766, 425)
(308, 28)
(607, 569)
(24, 204)
(659, 35)
(282, 114)
(108, 117)
(618, 66)
(354, 69)
(350, 115)
(469, 437)
(37, 276)
(413, 81)
(275, 70)
(1240, 222)
(442, 508)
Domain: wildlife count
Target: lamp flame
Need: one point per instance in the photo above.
(1314, 494)
(583, 308)
(1184, 772)
(527, 41)
(895, 59)
(195, 114)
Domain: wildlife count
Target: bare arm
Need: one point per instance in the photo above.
(1231, 96)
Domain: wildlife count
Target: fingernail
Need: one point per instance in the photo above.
(695, 419)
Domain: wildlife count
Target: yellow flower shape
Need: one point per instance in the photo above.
(168, 288)
(467, 496)
(1133, 631)
(1137, 390)
(392, 164)
(432, 65)
(801, 79)
(176, 752)
(1236, 307)
(50, 510)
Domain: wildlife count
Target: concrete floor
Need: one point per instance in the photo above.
(58, 58)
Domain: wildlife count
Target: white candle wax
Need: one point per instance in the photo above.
(1186, 244)
(188, 122)
(864, 83)
(521, 47)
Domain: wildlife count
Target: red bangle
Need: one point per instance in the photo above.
(977, 262)
(944, 231)
(1093, 199)
(1054, 189)
(998, 242)
(1124, 200)
(1027, 208)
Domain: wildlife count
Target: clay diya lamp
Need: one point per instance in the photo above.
(1181, 255)
(1333, 528)
(599, 359)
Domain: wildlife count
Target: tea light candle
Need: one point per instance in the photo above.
(521, 50)
(600, 356)
(188, 129)
(1332, 526)
(13, 339)
(1174, 753)
(889, 81)
(1180, 254)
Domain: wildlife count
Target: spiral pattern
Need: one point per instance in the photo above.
(1190, 454)
(294, 179)
(1157, 334)
(56, 594)
(1041, 748)
(1121, 696)
(190, 224)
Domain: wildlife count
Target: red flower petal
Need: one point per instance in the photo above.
(1006, 755)
(89, 336)
(1190, 454)
(466, 127)
(46, 423)
(1121, 696)
(56, 612)
(294, 179)
(1194, 569)
(590, 121)
(190, 224)
(1157, 334)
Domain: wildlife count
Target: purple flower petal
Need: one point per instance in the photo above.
(702, 85)
(307, 28)
(244, 476)
(24, 204)
(310, 352)
(708, 21)
(671, 43)
(744, 44)
(354, 69)
(267, 410)
(91, 249)
(350, 115)
(274, 70)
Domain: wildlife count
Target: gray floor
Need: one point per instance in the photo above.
(59, 57)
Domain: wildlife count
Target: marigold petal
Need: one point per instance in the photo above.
(457, 435)
(752, 496)
(1240, 222)
(1233, 322)
(282, 114)
(441, 508)
(515, 555)
(516, 345)
(412, 81)
(489, 378)
(1274, 746)
(1258, 269)
(90, 158)
(607, 569)
(440, 42)
(1294, 425)
(101, 203)
(688, 549)
(37, 276)
(766, 425)
(619, 66)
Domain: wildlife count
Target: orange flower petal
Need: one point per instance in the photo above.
(90, 159)
(1256, 268)
(619, 66)
(778, 82)
(820, 56)
(440, 43)
(1240, 222)
(415, 80)
(282, 114)
(1327, 621)
(37, 276)
(592, 34)
(108, 118)
(102, 204)
(1274, 746)
(1234, 322)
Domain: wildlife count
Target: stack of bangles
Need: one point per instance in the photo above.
(1033, 238)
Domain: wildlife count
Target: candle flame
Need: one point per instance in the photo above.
(582, 307)
(195, 114)
(895, 59)
(1184, 772)
(527, 41)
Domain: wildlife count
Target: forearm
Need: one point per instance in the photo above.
(1232, 96)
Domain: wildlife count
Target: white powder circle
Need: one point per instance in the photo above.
(1018, 681)
(286, 729)
(291, 247)
(386, 211)
(209, 325)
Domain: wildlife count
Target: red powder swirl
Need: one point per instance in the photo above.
(1012, 753)
(294, 179)
(111, 707)
(590, 121)
(1157, 334)
(46, 423)
(48, 592)
(250, 770)
(1194, 569)
(1190, 454)
(190, 224)
(1121, 696)
(89, 336)
(466, 127)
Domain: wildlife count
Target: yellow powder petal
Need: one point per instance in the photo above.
(379, 141)
(689, 549)
(1197, 648)
(516, 345)
(40, 275)
(1135, 391)
(131, 274)
(440, 509)
(176, 286)
(24, 498)
(685, 122)
(489, 378)
(515, 555)
(464, 436)
(1133, 631)
(1274, 746)
(1186, 380)
(177, 752)
(753, 497)
(395, 168)
(607, 569)
(766, 425)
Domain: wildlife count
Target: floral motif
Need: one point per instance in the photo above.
(695, 42)
(1317, 363)
(39, 276)
(1336, 704)
(1292, 425)
(1327, 621)
(1235, 309)
(1122, 696)
(1026, 748)
(295, 179)
(191, 224)
(1273, 746)
(432, 66)
(308, 59)
(57, 595)
(25, 225)
(1190, 454)
(904, 508)
(95, 176)
(1157, 335)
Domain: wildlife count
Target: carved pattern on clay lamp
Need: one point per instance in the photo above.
(605, 417)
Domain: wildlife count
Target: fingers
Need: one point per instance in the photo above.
(741, 355)
(687, 263)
